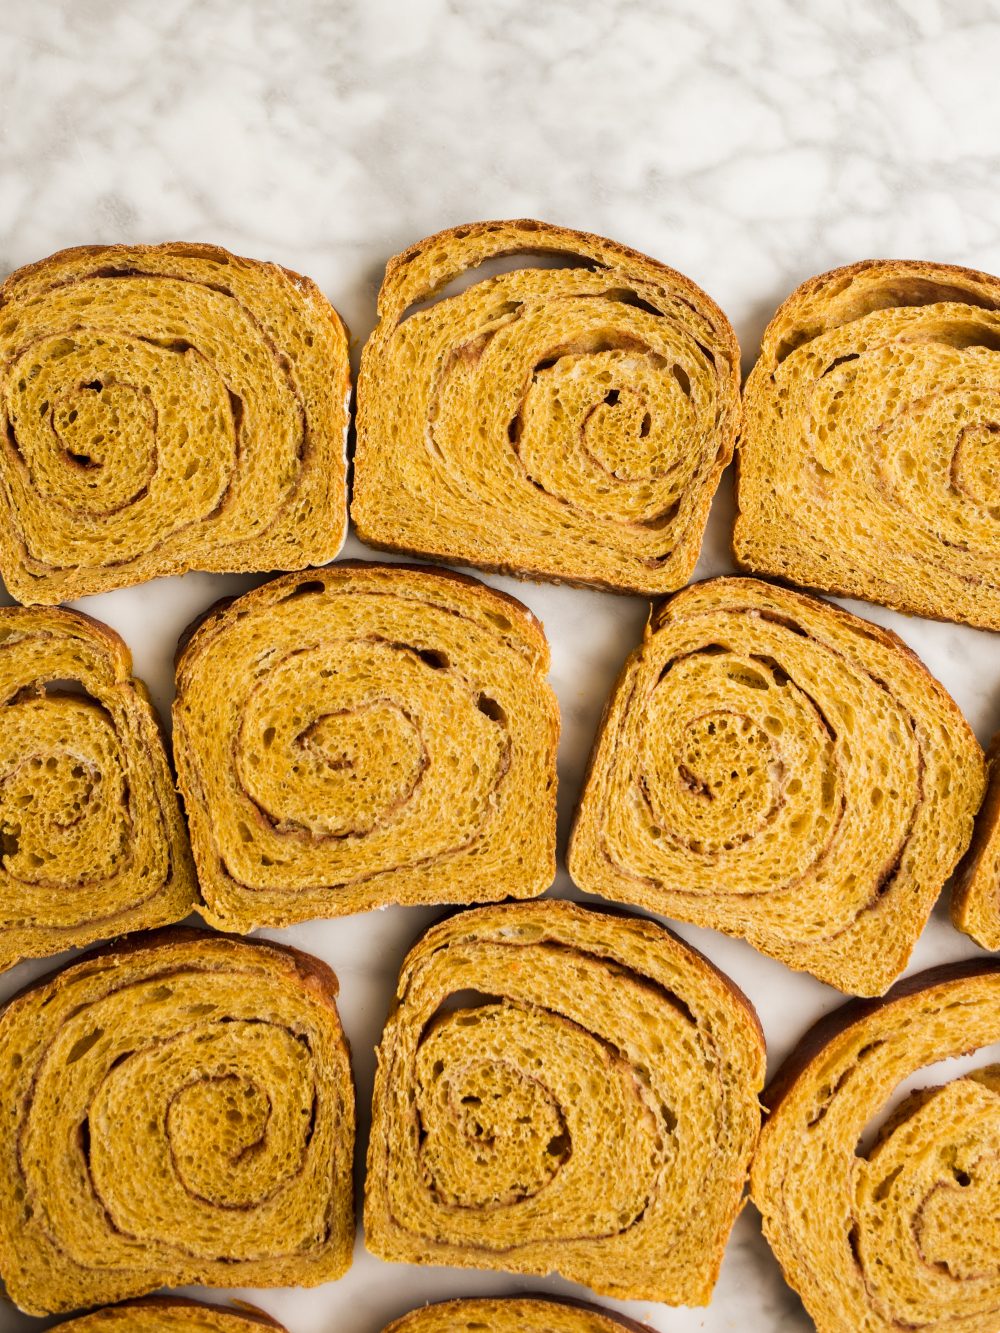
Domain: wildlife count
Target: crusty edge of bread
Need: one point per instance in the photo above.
(202, 623)
(318, 977)
(401, 1324)
(890, 595)
(817, 1038)
(569, 909)
(551, 237)
(239, 1309)
(985, 832)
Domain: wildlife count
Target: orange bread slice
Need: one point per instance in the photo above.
(563, 1090)
(514, 1314)
(165, 408)
(568, 418)
(771, 766)
(172, 1314)
(903, 1235)
(868, 461)
(92, 842)
(368, 734)
(975, 901)
(177, 1110)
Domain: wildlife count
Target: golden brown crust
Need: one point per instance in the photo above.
(741, 646)
(975, 897)
(528, 1312)
(525, 1043)
(93, 843)
(880, 354)
(607, 510)
(202, 1087)
(159, 444)
(234, 1317)
(422, 764)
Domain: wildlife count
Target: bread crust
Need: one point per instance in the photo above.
(413, 1318)
(975, 897)
(239, 1309)
(826, 1029)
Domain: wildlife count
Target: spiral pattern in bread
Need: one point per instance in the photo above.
(92, 843)
(869, 462)
(902, 1235)
(975, 900)
(368, 734)
(172, 1314)
(566, 1090)
(568, 418)
(514, 1314)
(176, 1110)
(776, 768)
(165, 408)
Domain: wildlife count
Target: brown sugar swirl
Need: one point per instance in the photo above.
(165, 408)
(561, 1089)
(363, 735)
(776, 768)
(179, 1109)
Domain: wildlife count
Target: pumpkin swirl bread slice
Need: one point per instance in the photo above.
(370, 734)
(901, 1235)
(172, 1314)
(869, 462)
(165, 408)
(177, 1110)
(514, 1314)
(568, 418)
(773, 767)
(563, 1090)
(92, 842)
(975, 902)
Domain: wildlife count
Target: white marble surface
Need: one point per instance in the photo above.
(749, 146)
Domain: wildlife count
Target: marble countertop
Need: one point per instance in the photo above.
(748, 146)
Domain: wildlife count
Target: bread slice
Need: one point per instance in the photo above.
(92, 843)
(975, 899)
(568, 418)
(370, 734)
(177, 1110)
(172, 1314)
(773, 767)
(165, 408)
(563, 1090)
(515, 1314)
(903, 1235)
(868, 462)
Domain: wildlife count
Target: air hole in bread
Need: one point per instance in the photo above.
(493, 267)
(307, 589)
(438, 660)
